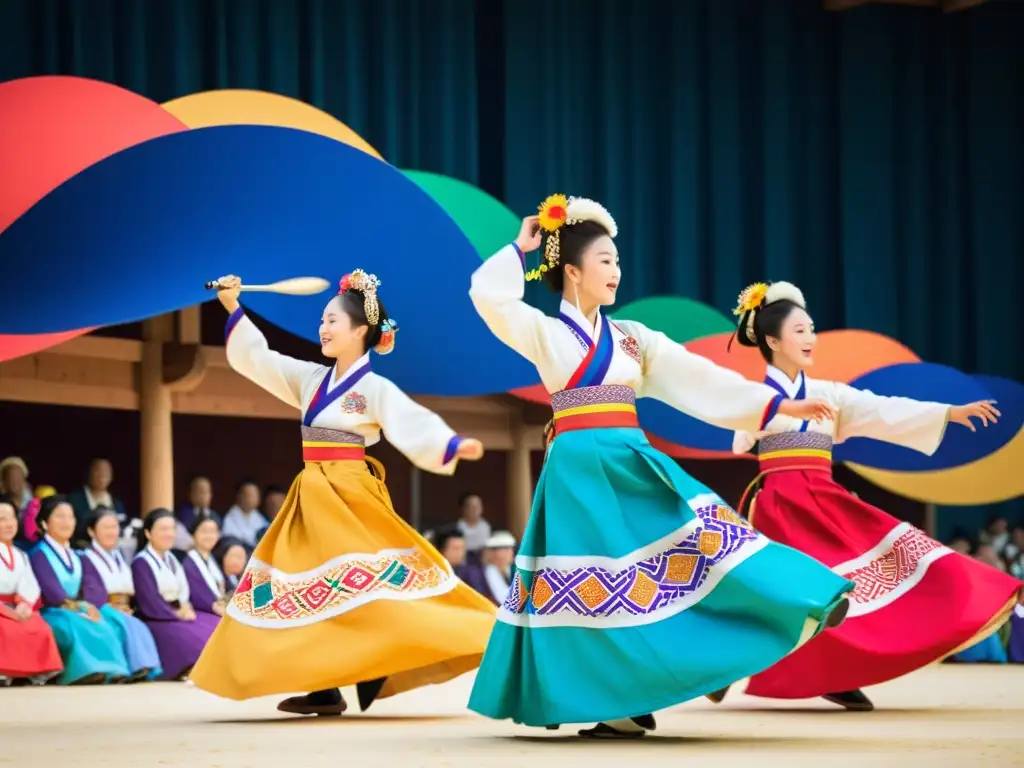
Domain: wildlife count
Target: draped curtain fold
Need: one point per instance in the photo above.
(873, 157)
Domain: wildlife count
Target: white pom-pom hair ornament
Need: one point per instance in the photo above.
(559, 211)
(783, 291)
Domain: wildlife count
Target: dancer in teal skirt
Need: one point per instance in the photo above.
(636, 587)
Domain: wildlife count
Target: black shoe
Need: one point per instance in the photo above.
(838, 614)
(853, 701)
(718, 696)
(368, 692)
(327, 703)
(605, 731)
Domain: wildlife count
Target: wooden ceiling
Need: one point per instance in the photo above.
(946, 6)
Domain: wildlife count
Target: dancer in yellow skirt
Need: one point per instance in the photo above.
(340, 590)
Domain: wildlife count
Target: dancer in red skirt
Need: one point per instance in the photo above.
(916, 601)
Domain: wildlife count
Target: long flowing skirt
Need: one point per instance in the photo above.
(27, 648)
(339, 591)
(916, 601)
(87, 647)
(637, 588)
(180, 643)
(136, 642)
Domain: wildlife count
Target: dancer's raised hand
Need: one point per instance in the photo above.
(808, 410)
(983, 410)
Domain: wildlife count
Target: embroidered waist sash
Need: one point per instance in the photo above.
(8, 600)
(594, 408)
(331, 445)
(119, 599)
(795, 451)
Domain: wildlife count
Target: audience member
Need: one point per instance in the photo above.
(244, 520)
(452, 546)
(499, 558)
(95, 493)
(473, 525)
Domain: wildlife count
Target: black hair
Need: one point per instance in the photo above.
(243, 483)
(273, 489)
(147, 526)
(443, 536)
(46, 508)
(768, 321)
(200, 519)
(353, 304)
(98, 514)
(573, 241)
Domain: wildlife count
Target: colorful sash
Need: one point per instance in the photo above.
(323, 398)
(801, 394)
(592, 370)
(602, 407)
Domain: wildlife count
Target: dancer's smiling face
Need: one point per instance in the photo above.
(793, 341)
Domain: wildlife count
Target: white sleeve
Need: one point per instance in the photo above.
(497, 291)
(698, 387)
(418, 433)
(742, 442)
(496, 584)
(248, 353)
(899, 420)
(184, 593)
(28, 587)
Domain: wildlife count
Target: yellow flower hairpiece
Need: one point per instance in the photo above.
(552, 215)
(752, 297)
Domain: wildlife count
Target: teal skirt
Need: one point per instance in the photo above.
(638, 588)
(87, 647)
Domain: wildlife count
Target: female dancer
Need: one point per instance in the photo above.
(107, 582)
(341, 590)
(916, 601)
(632, 579)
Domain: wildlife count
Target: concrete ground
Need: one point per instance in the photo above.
(961, 717)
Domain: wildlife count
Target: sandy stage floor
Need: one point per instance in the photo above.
(960, 717)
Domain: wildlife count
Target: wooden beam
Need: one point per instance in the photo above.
(190, 325)
(25, 390)
(184, 366)
(952, 6)
(99, 348)
(842, 5)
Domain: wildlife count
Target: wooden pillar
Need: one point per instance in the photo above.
(156, 442)
(931, 520)
(520, 478)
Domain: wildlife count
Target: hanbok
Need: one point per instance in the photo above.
(205, 581)
(1015, 648)
(636, 587)
(160, 589)
(341, 590)
(90, 649)
(916, 601)
(27, 647)
(107, 584)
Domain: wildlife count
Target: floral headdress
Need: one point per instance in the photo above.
(756, 297)
(367, 285)
(558, 211)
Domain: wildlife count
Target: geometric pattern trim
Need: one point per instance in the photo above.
(658, 582)
(609, 394)
(269, 598)
(786, 441)
(321, 435)
(890, 569)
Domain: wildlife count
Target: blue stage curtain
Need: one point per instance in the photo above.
(873, 157)
(401, 74)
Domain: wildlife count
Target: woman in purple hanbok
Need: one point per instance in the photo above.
(107, 581)
(163, 600)
(205, 579)
(89, 645)
(1015, 649)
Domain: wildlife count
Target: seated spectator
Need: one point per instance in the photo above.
(231, 557)
(452, 546)
(107, 583)
(162, 599)
(273, 500)
(473, 525)
(986, 553)
(89, 645)
(1014, 552)
(95, 493)
(996, 534)
(205, 580)
(14, 483)
(244, 520)
(499, 558)
(28, 650)
(200, 496)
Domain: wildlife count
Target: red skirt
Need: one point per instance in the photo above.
(27, 648)
(916, 601)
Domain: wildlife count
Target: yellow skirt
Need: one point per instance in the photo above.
(339, 591)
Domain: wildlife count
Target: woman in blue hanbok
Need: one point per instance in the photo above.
(636, 587)
(108, 583)
(89, 645)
